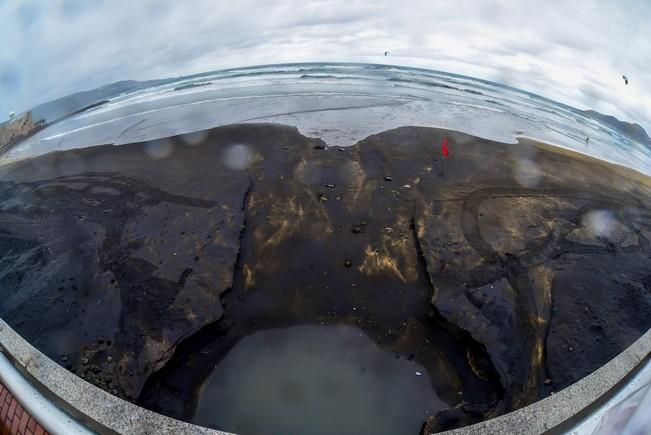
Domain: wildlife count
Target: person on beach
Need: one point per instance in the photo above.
(445, 153)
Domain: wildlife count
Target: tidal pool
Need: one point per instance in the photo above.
(315, 380)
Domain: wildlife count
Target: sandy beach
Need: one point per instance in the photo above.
(508, 272)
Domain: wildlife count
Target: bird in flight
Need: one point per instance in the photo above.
(624, 77)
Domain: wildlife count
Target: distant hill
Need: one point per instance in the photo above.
(55, 110)
(28, 123)
(632, 130)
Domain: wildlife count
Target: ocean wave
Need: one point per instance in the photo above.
(424, 97)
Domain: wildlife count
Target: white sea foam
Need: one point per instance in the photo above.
(341, 104)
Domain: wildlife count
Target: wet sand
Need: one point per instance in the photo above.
(515, 272)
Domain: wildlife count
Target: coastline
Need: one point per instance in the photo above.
(484, 256)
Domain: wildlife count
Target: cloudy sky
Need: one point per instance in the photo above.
(571, 51)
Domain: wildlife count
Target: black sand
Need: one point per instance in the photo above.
(140, 274)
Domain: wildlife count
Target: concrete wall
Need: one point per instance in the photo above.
(104, 413)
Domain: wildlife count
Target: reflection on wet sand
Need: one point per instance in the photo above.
(142, 272)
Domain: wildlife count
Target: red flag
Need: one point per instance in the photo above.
(444, 148)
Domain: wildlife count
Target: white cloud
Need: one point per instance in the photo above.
(574, 52)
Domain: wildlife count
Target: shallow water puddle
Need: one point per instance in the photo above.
(315, 380)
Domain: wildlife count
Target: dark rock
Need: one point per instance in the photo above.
(479, 321)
